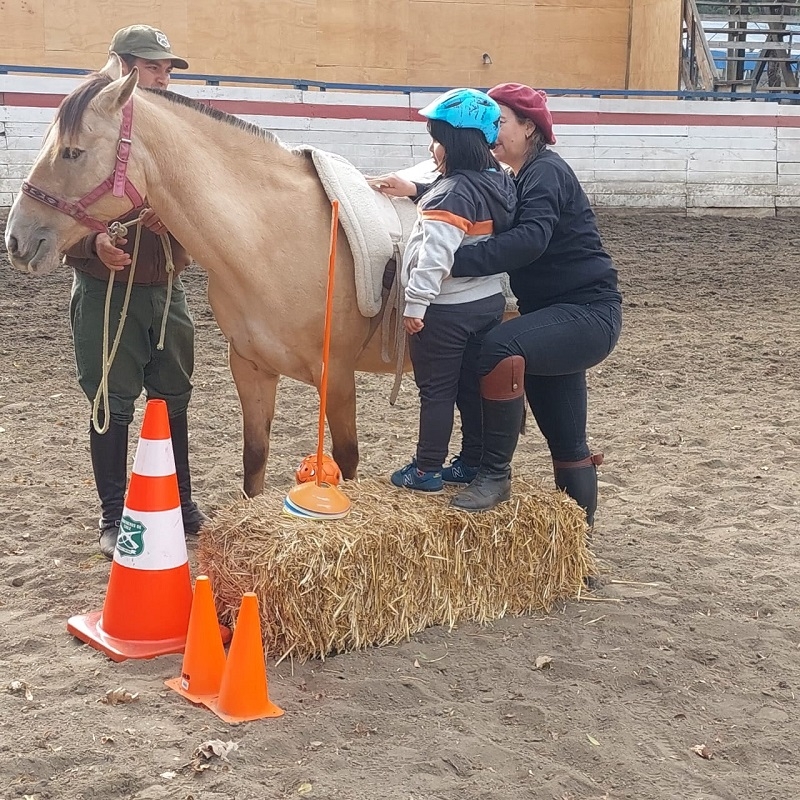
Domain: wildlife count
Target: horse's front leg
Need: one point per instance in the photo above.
(341, 414)
(257, 388)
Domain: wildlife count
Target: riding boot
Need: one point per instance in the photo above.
(109, 453)
(193, 517)
(579, 480)
(503, 403)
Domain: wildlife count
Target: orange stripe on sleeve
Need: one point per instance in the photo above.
(481, 228)
(445, 216)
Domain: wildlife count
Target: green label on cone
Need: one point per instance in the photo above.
(130, 541)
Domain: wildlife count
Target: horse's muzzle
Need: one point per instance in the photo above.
(33, 253)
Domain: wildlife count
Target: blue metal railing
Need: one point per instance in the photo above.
(322, 86)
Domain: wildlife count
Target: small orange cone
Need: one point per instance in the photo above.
(243, 694)
(149, 595)
(204, 658)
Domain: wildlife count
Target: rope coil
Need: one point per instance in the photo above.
(117, 230)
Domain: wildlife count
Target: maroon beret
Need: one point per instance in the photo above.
(528, 103)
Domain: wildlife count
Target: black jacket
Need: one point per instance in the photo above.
(554, 253)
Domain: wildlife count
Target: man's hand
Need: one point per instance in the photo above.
(114, 258)
(393, 185)
(413, 325)
(152, 222)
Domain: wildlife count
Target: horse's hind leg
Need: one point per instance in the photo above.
(341, 414)
(257, 389)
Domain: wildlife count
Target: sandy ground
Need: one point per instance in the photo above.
(697, 412)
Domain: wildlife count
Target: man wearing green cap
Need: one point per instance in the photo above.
(138, 364)
(148, 49)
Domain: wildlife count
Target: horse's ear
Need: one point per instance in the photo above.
(118, 92)
(113, 67)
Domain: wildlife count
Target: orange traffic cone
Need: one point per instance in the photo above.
(204, 658)
(149, 595)
(243, 694)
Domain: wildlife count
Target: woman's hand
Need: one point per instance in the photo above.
(393, 185)
(413, 325)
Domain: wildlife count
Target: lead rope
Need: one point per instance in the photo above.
(117, 230)
(170, 266)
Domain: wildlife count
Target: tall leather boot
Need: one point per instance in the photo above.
(579, 480)
(503, 403)
(109, 453)
(193, 517)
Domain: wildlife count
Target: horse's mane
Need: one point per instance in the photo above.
(215, 113)
(73, 107)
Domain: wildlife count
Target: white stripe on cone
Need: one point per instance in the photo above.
(151, 540)
(154, 458)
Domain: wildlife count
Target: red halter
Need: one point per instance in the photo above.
(117, 183)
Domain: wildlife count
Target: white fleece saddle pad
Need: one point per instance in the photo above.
(377, 227)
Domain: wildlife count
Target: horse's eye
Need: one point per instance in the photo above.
(71, 153)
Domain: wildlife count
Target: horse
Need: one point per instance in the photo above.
(253, 210)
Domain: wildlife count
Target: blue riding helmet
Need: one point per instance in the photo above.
(466, 108)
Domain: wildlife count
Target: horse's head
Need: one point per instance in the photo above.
(82, 177)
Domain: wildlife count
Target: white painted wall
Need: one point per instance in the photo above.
(688, 163)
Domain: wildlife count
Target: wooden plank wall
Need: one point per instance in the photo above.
(551, 43)
(654, 58)
(693, 157)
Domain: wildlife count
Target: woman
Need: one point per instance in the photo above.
(570, 309)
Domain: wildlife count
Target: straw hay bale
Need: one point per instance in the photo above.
(398, 563)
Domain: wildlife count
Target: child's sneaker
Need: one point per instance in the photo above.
(459, 473)
(409, 477)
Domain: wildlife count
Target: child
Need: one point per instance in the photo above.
(446, 318)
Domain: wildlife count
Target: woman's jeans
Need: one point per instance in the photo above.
(559, 343)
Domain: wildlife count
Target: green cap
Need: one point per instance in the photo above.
(143, 41)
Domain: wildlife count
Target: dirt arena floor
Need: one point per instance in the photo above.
(691, 644)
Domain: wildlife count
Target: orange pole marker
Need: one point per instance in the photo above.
(204, 657)
(149, 595)
(321, 500)
(244, 694)
(326, 339)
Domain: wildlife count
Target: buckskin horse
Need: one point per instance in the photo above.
(254, 212)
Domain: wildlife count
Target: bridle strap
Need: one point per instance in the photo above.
(73, 210)
(120, 186)
(118, 183)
